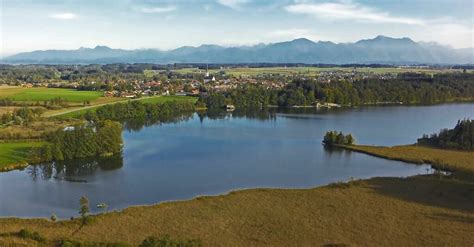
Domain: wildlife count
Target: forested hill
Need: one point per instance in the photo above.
(381, 49)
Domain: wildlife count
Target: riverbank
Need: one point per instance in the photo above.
(428, 210)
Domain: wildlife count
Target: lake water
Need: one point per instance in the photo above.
(209, 156)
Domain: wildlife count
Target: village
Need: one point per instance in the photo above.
(200, 81)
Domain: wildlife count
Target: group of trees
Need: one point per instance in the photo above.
(247, 96)
(137, 109)
(22, 116)
(81, 141)
(337, 138)
(461, 137)
(406, 88)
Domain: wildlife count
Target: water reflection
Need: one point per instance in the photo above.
(216, 152)
(255, 114)
(137, 124)
(72, 170)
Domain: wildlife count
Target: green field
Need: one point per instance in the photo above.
(14, 153)
(44, 94)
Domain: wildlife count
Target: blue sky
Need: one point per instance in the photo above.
(27, 25)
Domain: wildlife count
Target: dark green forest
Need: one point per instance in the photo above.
(461, 137)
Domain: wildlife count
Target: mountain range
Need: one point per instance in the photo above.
(381, 49)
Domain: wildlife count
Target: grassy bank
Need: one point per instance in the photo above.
(439, 158)
(14, 155)
(427, 210)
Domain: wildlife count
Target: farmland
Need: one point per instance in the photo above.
(45, 94)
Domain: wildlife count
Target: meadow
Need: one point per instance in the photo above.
(15, 154)
(45, 94)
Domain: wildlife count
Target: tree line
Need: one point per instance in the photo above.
(139, 110)
(408, 88)
(460, 137)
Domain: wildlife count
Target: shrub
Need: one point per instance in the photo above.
(166, 241)
(31, 235)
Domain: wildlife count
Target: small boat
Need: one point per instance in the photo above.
(101, 205)
(229, 107)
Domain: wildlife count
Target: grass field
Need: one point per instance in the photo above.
(13, 154)
(445, 159)
(44, 94)
(427, 210)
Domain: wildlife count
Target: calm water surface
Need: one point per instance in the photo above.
(209, 156)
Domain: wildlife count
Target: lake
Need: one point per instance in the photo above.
(209, 155)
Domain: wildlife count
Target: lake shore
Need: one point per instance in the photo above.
(446, 160)
(427, 210)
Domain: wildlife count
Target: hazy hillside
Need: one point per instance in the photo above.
(380, 49)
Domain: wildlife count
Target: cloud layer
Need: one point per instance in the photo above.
(152, 10)
(349, 11)
(64, 16)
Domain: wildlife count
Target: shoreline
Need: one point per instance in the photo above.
(246, 210)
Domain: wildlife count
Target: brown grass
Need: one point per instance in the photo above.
(35, 130)
(441, 158)
(417, 211)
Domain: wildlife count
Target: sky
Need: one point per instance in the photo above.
(27, 25)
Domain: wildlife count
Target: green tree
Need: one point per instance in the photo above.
(84, 209)
(350, 139)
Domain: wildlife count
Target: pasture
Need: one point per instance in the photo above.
(45, 94)
(14, 153)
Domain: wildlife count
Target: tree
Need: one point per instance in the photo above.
(84, 209)
(340, 139)
(350, 140)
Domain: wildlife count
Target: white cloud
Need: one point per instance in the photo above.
(349, 11)
(457, 35)
(64, 16)
(158, 9)
(234, 4)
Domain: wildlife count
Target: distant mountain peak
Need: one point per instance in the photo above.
(102, 47)
(381, 39)
(380, 49)
(302, 41)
